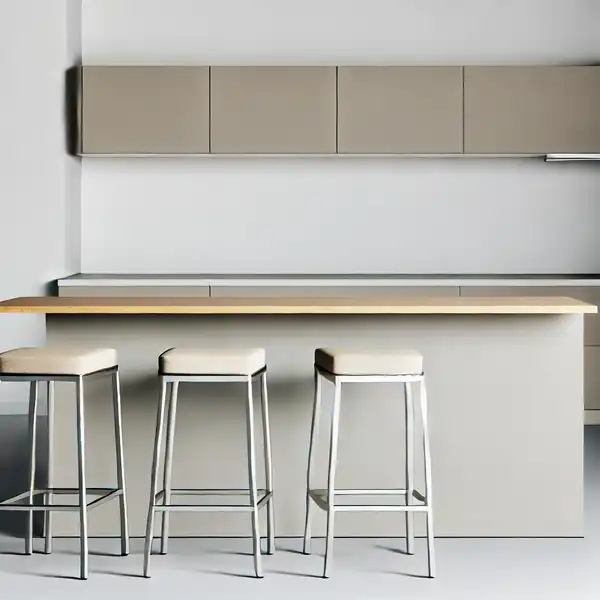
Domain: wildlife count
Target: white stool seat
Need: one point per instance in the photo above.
(364, 362)
(212, 361)
(57, 360)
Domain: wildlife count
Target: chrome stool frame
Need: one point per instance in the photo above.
(325, 499)
(160, 500)
(105, 494)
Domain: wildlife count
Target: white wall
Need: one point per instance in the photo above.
(337, 215)
(39, 183)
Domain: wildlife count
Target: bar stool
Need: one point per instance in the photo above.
(180, 365)
(347, 366)
(75, 365)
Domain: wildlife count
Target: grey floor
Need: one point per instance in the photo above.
(364, 569)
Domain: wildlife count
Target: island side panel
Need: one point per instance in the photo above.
(506, 420)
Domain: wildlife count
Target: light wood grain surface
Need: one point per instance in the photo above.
(298, 306)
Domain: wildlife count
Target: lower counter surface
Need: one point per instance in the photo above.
(506, 419)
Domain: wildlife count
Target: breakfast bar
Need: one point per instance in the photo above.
(505, 386)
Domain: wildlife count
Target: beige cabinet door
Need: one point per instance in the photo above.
(145, 110)
(273, 110)
(532, 110)
(400, 110)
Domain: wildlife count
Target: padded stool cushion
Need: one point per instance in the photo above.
(211, 361)
(57, 360)
(369, 362)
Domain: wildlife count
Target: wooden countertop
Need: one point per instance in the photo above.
(299, 306)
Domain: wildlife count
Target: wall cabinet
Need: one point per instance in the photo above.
(520, 110)
(400, 110)
(144, 110)
(532, 110)
(265, 110)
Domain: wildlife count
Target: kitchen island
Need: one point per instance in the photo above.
(505, 382)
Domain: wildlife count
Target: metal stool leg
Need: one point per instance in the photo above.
(33, 398)
(118, 419)
(314, 432)
(50, 475)
(170, 441)
(268, 463)
(331, 477)
(83, 534)
(428, 493)
(154, 476)
(252, 481)
(409, 455)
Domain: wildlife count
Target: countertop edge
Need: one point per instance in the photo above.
(294, 306)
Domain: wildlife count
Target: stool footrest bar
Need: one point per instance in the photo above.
(211, 492)
(379, 508)
(396, 492)
(210, 507)
(74, 491)
(319, 496)
(106, 494)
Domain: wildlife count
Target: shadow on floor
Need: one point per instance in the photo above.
(14, 458)
(592, 451)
